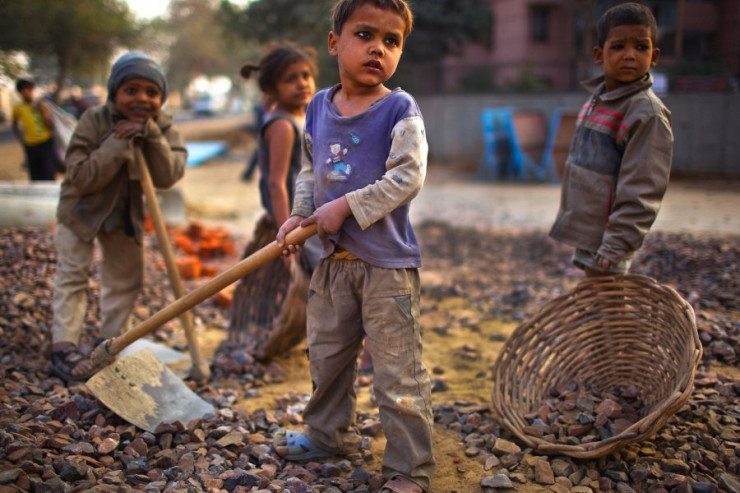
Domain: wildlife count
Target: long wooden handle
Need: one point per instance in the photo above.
(199, 371)
(104, 352)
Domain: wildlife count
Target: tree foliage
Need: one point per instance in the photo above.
(79, 36)
(197, 47)
(306, 23)
(441, 27)
(198, 43)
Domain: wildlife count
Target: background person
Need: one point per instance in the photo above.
(32, 126)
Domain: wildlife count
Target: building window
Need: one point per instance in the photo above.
(539, 23)
(699, 46)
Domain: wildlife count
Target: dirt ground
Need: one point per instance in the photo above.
(215, 195)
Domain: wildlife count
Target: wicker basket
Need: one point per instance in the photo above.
(268, 316)
(607, 332)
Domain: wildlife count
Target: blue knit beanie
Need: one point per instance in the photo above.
(132, 65)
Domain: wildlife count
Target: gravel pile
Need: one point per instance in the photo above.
(57, 438)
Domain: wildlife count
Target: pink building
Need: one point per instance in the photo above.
(546, 44)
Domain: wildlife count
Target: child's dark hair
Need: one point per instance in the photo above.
(344, 9)
(277, 59)
(21, 84)
(625, 14)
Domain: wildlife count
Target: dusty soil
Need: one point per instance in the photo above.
(481, 278)
(215, 194)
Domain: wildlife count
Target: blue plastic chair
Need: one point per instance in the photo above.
(500, 154)
(503, 155)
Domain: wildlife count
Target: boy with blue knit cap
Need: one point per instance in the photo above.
(101, 199)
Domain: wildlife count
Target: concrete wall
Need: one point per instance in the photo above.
(706, 127)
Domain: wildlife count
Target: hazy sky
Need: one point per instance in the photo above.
(146, 9)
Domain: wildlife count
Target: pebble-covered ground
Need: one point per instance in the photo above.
(59, 438)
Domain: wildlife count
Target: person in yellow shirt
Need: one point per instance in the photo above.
(32, 127)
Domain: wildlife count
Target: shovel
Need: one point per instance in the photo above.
(139, 388)
(199, 370)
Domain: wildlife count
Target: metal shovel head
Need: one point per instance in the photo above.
(144, 392)
(177, 361)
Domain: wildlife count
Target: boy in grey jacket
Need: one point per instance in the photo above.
(619, 161)
(101, 199)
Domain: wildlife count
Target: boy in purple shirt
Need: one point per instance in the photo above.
(365, 156)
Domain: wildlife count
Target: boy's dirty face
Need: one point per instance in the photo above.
(369, 47)
(627, 55)
(138, 99)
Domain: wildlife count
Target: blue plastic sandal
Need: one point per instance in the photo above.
(295, 446)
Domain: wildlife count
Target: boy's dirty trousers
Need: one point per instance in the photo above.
(349, 299)
(121, 278)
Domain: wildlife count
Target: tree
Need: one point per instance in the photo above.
(305, 23)
(199, 45)
(264, 21)
(80, 36)
(441, 27)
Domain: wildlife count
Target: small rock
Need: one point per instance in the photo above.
(497, 482)
(79, 448)
(730, 482)
(107, 446)
(491, 462)
(231, 438)
(439, 385)
(561, 467)
(703, 487)
(675, 466)
(543, 473)
(502, 447)
(9, 476)
(624, 488)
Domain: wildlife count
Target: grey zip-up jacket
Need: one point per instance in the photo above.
(617, 170)
(101, 171)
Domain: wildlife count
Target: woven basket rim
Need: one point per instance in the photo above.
(509, 404)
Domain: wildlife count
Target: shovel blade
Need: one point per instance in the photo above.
(144, 392)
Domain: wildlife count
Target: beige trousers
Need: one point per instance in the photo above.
(121, 280)
(349, 299)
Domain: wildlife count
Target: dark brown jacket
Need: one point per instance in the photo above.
(100, 167)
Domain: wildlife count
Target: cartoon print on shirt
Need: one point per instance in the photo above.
(340, 170)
